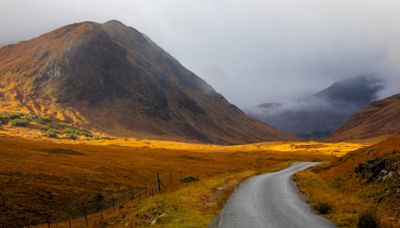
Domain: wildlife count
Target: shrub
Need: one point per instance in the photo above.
(19, 122)
(368, 219)
(47, 127)
(73, 137)
(50, 132)
(77, 132)
(98, 201)
(40, 119)
(6, 117)
(189, 179)
(323, 208)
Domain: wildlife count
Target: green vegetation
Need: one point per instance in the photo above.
(51, 128)
(19, 122)
(189, 179)
(49, 132)
(77, 132)
(6, 117)
(40, 119)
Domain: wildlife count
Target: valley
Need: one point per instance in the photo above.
(101, 127)
(59, 177)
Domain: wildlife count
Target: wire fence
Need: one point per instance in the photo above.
(87, 212)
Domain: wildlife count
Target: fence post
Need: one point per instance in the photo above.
(85, 213)
(158, 182)
(170, 176)
(131, 194)
(69, 223)
(48, 220)
(113, 202)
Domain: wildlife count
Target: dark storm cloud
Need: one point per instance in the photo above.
(251, 51)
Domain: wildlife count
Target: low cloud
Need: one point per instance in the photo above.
(264, 51)
(322, 112)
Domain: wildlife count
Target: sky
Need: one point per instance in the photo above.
(252, 51)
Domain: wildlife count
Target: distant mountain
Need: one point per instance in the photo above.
(113, 78)
(322, 112)
(381, 118)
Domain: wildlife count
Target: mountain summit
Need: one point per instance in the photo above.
(116, 80)
(323, 112)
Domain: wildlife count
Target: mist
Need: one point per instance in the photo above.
(252, 52)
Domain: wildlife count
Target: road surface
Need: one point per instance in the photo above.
(270, 200)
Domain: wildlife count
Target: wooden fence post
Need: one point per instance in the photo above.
(170, 176)
(131, 194)
(113, 202)
(69, 223)
(158, 182)
(85, 213)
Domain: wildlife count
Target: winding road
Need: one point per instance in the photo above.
(270, 200)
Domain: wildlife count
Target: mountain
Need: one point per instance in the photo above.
(380, 118)
(114, 79)
(322, 112)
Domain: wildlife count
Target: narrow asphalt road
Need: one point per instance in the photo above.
(270, 200)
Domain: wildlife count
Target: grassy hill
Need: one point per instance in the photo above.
(364, 181)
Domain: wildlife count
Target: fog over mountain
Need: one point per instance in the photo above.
(323, 112)
(250, 51)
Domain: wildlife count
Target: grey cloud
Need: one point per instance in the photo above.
(264, 50)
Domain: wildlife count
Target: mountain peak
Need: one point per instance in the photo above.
(322, 112)
(114, 22)
(113, 78)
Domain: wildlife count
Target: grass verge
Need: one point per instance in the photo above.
(344, 208)
(194, 205)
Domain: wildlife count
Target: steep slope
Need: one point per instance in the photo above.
(113, 78)
(381, 118)
(362, 180)
(322, 112)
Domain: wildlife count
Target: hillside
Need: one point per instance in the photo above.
(323, 112)
(113, 79)
(364, 180)
(380, 118)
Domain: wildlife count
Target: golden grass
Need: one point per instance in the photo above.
(337, 184)
(345, 208)
(182, 208)
(57, 174)
(329, 148)
(335, 149)
(46, 176)
(193, 206)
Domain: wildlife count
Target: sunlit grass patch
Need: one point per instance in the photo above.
(182, 208)
(193, 205)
